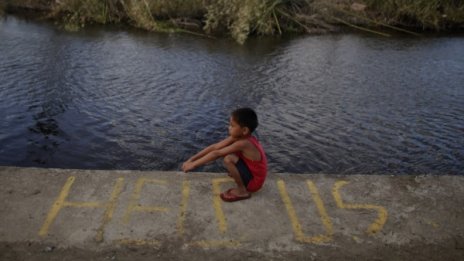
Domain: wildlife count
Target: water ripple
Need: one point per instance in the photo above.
(112, 99)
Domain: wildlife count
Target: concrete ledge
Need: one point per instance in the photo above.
(51, 214)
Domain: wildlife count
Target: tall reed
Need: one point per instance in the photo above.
(2, 8)
(165, 9)
(78, 13)
(241, 18)
(429, 14)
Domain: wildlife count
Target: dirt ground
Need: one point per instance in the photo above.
(450, 251)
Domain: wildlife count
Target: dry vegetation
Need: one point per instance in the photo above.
(240, 18)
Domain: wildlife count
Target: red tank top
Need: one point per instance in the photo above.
(258, 168)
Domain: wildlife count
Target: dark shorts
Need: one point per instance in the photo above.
(245, 173)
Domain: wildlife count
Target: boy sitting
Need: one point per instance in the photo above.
(243, 156)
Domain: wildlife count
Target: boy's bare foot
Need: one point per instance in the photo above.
(235, 194)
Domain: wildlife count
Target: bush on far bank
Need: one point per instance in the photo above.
(239, 18)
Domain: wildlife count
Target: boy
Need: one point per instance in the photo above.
(243, 156)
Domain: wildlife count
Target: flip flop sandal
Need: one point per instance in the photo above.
(229, 197)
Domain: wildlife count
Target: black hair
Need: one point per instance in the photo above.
(246, 117)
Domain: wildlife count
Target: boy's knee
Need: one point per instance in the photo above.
(230, 159)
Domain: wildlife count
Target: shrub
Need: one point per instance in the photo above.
(429, 14)
(242, 18)
(78, 13)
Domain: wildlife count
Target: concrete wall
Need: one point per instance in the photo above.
(296, 216)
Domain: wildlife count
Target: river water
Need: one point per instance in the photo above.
(112, 98)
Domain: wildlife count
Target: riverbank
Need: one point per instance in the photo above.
(258, 17)
(59, 214)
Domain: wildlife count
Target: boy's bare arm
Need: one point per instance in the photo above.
(213, 155)
(217, 146)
